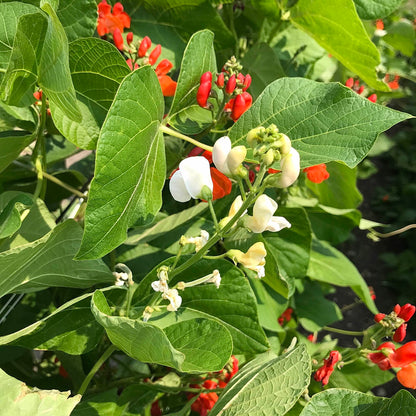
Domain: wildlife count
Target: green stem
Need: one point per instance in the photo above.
(130, 294)
(220, 256)
(343, 331)
(392, 233)
(178, 256)
(96, 367)
(242, 190)
(64, 185)
(213, 215)
(175, 133)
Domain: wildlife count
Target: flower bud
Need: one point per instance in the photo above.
(268, 158)
(118, 39)
(241, 104)
(253, 137)
(349, 83)
(247, 82)
(235, 158)
(206, 77)
(290, 167)
(400, 333)
(164, 67)
(286, 145)
(372, 98)
(129, 38)
(154, 55)
(379, 317)
(220, 80)
(406, 312)
(231, 84)
(202, 94)
(145, 44)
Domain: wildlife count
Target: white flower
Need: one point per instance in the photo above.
(174, 299)
(198, 241)
(254, 259)
(263, 219)
(160, 286)
(226, 159)
(193, 175)
(235, 206)
(216, 278)
(290, 167)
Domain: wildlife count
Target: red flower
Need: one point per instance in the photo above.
(405, 312)
(380, 358)
(379, 24)
(231, 84)
(372, 98)
(118, 39)
(407, 376)
(108, 22)
(247, 82)
(404, 355)
(154, 55)
(400, 333)
(394, 85)
(286, 316)
(168, 85)
(239, 105)
(323, 373)
(222, 184)
(129, 38)
(220, 80)
(379, 317)
(317, 173)
(349, 82)
(145, 44)
(130, 64)
(205, 401)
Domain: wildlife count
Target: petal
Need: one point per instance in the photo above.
(290, 166)
(177, 188)
(407, 376)
(263, 210)
(235, 206)
(277, 223)
(253, 225)
(222, 184)
(404, 355)
(168, 85)
(220, 153)
(196, 174)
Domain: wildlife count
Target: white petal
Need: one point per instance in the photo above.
(263, 210)
(235, 206)
(290, 166)
(260, 271)
(220, 153)
(253, 225)
(177, 188)
(278, 223)
(196, 174)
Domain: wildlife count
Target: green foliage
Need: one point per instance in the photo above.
(401, 35)
(376, 9)
(16, 399)
(348, 138)
(119, 197)
(11, 144)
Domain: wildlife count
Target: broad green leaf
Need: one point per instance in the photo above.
(18, 399)
(130, 165)
(10, 216)
(263, 65)
(269, 8)
(289, 249)
(401, 35)
(192, 345)
(97, 68)
(78, 18)
(54, 76)
(21, 75)
(361, 375)
(10, 14)
(48, 262)
(38, 222)
(187, 18)
(166, 225)
(343, 402)
(343, 36)
(71, 328)
(329, 265)
(313, 310)
(199, 57)
(326, 122)
(340, 189)
(376, 9)
(233, 304)
(11, 145)
(22, 117)
(402, 403)
(268, 388)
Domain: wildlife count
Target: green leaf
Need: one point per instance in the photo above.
(18, 399)
(11, 145)
(401, 404)
(21, 75)
(233, 304)
(263, 65)
(329, 265)
(289, 249)
(54, 76)
(10, 216)
(130, 165)
(266, 387)
(71, 328)
(48, 262)
(343, 36)
(376, 9)
(326, 122)
(361, 375)
(97, 68)
(187, 18)
(10, 13)
(193, 345)
(199, 57)
(343, 402)
(340, 189)
(313, 310)
(78, 18)
(401, 35)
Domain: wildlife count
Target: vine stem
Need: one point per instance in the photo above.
(95, 368)
(175, 133)
(52, 178)
(343, 331)
(213, 215)
(392, 233)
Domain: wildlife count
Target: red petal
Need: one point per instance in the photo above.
(222, 184)
(168, 85)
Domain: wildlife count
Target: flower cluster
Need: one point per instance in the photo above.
(403, 358)
(394, 84)
(206, 401)
(112, 22)
(317, 173)
(324, 372)
(359, 89)
(253, 259)
(171, 295)
(234, 85)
